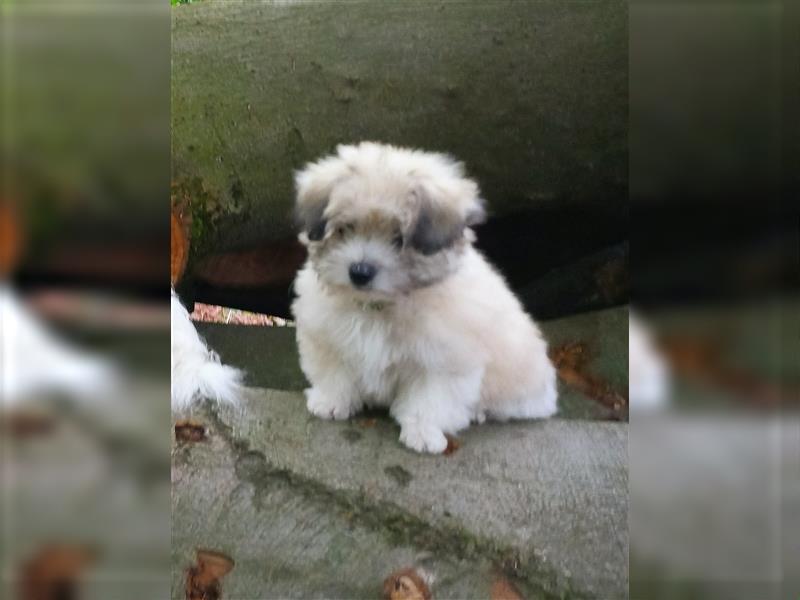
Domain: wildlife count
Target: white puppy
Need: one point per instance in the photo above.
(396, 308)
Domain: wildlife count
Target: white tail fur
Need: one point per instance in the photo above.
(34, 360)
(648, 373)
(196, 370)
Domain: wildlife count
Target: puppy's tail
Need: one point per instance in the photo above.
(207, 379)
(196, 370)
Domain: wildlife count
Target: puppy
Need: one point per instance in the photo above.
(396, 308)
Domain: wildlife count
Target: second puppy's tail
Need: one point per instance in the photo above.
(206, 379)
(196, 370)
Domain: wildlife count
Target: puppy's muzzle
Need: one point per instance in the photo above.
(361, 273)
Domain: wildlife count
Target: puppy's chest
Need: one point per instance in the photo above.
(376, 348)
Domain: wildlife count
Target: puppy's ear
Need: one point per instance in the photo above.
(445, 209)
(435, 229)
(314, 185)
(310, 218)
(477, 215)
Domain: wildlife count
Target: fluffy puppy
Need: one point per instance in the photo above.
(396, 308)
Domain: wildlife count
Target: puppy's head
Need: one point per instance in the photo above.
(381, 221)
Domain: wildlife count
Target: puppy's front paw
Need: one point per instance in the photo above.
(326, 406)
(423, 438)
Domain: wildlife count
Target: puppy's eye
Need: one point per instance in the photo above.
(344, 229)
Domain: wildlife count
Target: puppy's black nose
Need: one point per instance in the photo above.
(361, 273)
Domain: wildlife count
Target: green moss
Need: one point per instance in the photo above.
(399, 474)
(351, 435)
(203, 208)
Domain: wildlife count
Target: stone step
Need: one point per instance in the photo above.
(311, 508)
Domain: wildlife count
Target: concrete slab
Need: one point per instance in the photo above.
(546, 502)
(292, 538)
(95, 477)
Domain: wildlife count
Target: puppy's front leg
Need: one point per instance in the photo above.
(333, 397)
(332, 394)
(435, 404)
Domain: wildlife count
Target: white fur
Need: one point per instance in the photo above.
(440, 349)
(34, 361)
(196, 370)
(648, 380)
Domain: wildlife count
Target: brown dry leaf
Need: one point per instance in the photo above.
(27, 424)
(189, 431)
(203, 579)
(179, 247)
(367, 422)
(54, 572)
(405, 584)
(453, 444)
(503, 589)
(704, 360)
(570, 361)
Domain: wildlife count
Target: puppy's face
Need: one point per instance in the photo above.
(381, 221)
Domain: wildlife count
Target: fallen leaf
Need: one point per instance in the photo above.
(452, 445)
(189, 431)
(706, 360)
(503, 589)
(367, 422)
(405, 584)
(203, 579)
(570, 360)
(27, 424)
(54, 572)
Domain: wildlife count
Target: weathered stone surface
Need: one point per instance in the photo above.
(292, 538)
(97, 481)
(546, 499)
(531, 95)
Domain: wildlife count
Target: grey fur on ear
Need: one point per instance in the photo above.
(435, 229)
(314, 185)
(311, 219)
